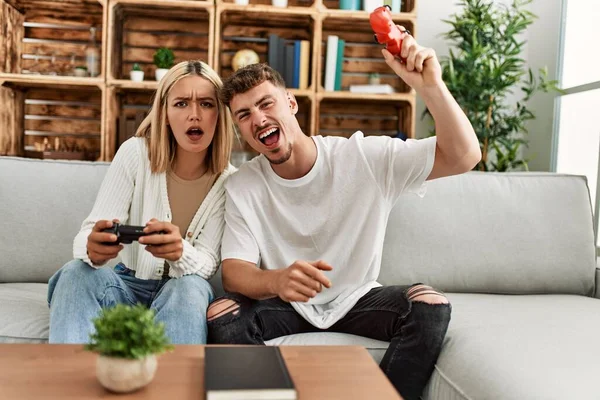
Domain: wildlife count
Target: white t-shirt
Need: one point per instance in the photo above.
(337, 213)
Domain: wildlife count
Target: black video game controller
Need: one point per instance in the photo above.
(126, 233)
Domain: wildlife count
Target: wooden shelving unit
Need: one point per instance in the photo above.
(43, 112)
(136, 29)
(100, 113)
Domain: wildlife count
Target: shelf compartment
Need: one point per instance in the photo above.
(126, 109)
(362, 55)
(138, 29)
(52, 122)
(343, 117)
(247, 29)
(45, 39)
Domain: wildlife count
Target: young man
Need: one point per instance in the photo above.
(311, 212)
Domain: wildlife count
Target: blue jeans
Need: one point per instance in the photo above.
(78, 292)
(415, 330)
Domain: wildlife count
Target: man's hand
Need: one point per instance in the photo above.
(302, 280)
(422, 68)
(168, 245)
(98, 251)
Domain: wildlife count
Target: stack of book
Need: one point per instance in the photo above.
(291, 58)
(334, 61)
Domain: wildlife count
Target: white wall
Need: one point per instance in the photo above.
(542, 50)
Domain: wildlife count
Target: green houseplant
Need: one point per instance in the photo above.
(164, 60)
(484, 69)
(127, 340)
(136, 74)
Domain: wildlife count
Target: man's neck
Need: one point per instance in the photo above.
(189, 166)
(304, 156)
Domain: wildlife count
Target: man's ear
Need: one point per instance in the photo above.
(292, 102)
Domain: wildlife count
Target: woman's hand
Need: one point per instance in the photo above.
(99, 247)
(163, 240)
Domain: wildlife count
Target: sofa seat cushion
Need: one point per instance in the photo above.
(519, 347)
(375, 347)
(24, 313)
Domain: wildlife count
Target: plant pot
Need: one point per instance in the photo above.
(81, 73)
(136, 76)
(280, 3)
(160, 72)
(123, 375)
(242, 2)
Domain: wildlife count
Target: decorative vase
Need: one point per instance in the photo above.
(160, 72)
(136, 76)
(123, 375)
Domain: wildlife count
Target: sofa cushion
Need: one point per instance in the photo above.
(376, 348)
(24, 313)
(43, 205)
(519, 347)
(515, 233)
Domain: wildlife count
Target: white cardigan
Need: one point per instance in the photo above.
(131, 193)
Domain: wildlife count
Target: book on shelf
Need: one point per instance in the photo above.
(246, 373)
(339, 64)
(331, 62)
(304, 63)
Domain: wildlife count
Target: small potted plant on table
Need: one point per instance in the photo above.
(127, 340)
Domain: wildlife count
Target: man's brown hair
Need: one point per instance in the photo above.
(247, 78)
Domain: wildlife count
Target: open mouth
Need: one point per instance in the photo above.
(269, 137)
(194, 132)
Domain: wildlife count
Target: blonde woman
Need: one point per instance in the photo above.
(168, 178)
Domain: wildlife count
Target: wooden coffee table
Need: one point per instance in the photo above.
(34, 371)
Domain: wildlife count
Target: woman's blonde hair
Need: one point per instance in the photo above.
(160, 138)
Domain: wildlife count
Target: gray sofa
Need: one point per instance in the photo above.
(514, 252)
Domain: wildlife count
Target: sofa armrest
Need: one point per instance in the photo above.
(597, 294)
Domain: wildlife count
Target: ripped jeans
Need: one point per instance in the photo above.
(415, 329)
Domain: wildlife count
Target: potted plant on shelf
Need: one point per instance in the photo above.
(127, 340)
(136, 74)
(164, 60)
(487, 70)
(81, 71)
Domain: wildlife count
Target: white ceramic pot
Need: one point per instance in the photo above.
(124, 375)
(136, 76)
(160, 72)
(81, 73)
(280, 3)
(242, 2)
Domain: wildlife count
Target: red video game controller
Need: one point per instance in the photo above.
(386, 31)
